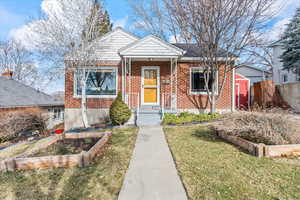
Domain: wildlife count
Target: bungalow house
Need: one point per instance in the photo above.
(15, 96)
(153, 76)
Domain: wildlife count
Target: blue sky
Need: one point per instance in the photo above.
(15, 13)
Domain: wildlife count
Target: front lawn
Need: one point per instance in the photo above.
(213, 169)
(102, 180)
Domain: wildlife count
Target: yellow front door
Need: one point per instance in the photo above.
(150, 85)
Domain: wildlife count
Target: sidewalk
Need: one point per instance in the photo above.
(152, 174)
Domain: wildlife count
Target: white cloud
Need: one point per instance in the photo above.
(121, 22)
(177, 39)
(278, 29)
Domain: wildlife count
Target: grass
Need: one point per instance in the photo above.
(17, 149)
(213, 169)
(102, 180)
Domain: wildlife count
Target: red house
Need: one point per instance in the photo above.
(153, 76)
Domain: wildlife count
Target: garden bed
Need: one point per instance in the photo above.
(261, 134)
(188, 119)
(79, 150)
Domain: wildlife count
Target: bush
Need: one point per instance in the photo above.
(13, 124)
(267, 128)
(185, 118)
(119, 112)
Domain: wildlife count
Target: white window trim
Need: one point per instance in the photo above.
(75, 95)
(202, 93)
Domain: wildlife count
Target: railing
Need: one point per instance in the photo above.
(166, 102)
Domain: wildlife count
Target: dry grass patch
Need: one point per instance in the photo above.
(102, 180)
(213, 169)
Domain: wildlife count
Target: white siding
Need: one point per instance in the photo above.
(108, 48)
(252, 74)
(151, 46)
(278, 73)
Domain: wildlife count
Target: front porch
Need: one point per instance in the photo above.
(149, 75)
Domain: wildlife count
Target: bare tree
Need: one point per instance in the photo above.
(63, 35)
(224, 30)
(15, 58)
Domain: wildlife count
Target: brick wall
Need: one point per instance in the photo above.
(185, 100)
(72, 102)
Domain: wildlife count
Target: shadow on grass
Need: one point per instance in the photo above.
(209, 135)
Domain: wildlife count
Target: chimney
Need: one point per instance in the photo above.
(8, 74)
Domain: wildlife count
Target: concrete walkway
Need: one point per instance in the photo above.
(152, 174)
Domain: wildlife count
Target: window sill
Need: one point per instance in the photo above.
(201, 93)
(96, 96)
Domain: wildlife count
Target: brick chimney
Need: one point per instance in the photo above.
(8, 74)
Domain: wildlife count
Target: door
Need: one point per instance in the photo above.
(150, 85)
(242, 93)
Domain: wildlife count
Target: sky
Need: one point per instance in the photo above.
(14, 14)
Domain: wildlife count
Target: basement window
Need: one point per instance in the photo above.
(101, 82)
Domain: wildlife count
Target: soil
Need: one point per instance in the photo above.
(67, 146)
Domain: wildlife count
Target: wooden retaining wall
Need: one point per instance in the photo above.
(22, 162)
(262, 150)
(252, 148)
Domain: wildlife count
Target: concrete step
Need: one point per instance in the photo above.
(149, 119)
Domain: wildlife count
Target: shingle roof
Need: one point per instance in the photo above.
(194, 50)
(16, 94)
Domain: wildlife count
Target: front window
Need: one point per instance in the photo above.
(100, 82)
(199, 78)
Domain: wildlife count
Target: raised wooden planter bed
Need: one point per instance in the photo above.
(262, 150)
(24, 162)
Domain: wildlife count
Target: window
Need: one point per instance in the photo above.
(298, 75)
(100, 82)
(198, 80)
(56, 114)
(285, 78)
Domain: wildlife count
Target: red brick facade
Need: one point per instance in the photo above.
(185, 100)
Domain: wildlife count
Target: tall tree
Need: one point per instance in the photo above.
(291, 44)
(223, 29)
(98, 23)
(17, 59)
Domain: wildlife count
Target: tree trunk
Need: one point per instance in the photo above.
(213, 94)
(83, 103)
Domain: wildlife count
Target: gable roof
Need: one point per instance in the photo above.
(195, 51)
(151, 46)
(256, 69)
(16, 94)
(105, 47)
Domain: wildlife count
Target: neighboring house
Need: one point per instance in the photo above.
(153, 76)
(254, 74)
(15, 96)
(281, 76)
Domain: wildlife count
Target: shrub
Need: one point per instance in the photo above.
(14, 123)
(119, 112)
(185, 118)
(267, 128)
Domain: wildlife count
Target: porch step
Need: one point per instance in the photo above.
(149, 118)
